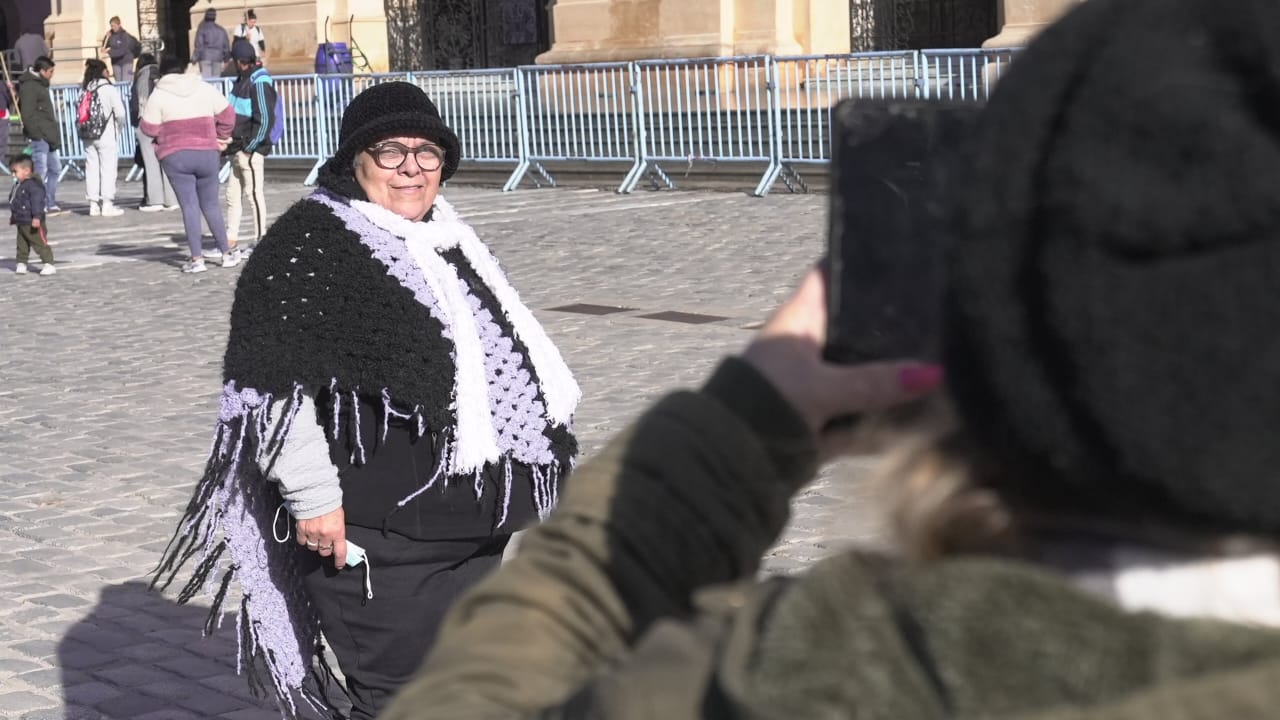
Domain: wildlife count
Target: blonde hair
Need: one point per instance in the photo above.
(942, 499)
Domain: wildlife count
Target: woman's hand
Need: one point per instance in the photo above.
(788, 352)
(327, 535)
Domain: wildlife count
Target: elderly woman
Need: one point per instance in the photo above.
(387, 390)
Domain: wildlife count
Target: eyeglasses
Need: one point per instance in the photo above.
(391, 155)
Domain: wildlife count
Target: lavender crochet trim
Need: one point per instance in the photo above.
(227, 528)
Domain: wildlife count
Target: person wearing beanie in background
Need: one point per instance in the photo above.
(250, 31)
(1090, 532)
(212, 48)
(190, 123)
(253, 96)
(385, 386)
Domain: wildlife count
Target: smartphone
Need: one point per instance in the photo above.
(891, 164)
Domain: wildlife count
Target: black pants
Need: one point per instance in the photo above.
(380, 643)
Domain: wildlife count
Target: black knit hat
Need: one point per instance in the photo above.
(387, 109)
(1113, 315)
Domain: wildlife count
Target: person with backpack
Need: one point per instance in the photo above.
(100, 119)
(212, 49)
(155, 184)
(121, 48)
(250, 31)
(259, 125)
(40, 127)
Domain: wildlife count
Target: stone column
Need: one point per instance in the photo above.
(1024, 18)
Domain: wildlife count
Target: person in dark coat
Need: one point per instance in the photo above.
(41, 128)
(212, 46)
(29, 46)
(122, 48)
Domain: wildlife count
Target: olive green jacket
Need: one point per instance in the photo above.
(596, 617)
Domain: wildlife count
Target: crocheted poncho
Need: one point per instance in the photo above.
(346, 300)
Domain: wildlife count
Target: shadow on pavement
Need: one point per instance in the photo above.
(141, 654)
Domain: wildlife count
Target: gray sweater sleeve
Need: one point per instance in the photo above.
(308, 480)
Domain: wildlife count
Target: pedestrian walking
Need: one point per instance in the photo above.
(190, 123)
(157, 192)
(121, 48)
(250, 31)
(29, 46)
(385, 383)
(26, 211)
(254, 98)
(212, 47)
(100, 134)
(41, 128)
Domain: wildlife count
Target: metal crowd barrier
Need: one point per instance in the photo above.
(961, 74)
(578, 112)
(716, 109)
(757, 109)
(483, 107)
(807, 86)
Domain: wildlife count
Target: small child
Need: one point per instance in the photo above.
(26, 207)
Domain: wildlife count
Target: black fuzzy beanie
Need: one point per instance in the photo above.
(386, 110)
(1113, 309)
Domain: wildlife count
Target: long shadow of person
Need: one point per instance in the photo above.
(139, 654)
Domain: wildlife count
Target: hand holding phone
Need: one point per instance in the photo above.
(886, 235)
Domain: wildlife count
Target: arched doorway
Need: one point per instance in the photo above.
(457, 34)
(920, 24)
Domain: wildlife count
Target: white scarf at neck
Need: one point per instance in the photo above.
(476, 442)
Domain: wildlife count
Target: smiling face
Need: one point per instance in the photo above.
(408, 190)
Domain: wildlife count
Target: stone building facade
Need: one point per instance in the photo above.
(401, 34)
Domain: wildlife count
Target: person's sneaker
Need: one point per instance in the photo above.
(20, 269)
(151, 208)
(213, 253)
(48, 269)
(110, 210)
(94, 209)
(245, 250)
(231, 258)
(194, 266)
(53, 210)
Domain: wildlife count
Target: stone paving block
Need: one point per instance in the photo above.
(211, 702)
(197, 668)
(59, 601)
(79, 656)
(91, 693)
(173, 714)
(131, 705)
(13, 703)
(44, 678)
(15, 666)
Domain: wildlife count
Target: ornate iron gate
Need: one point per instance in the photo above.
(456, 34)
(920, 24)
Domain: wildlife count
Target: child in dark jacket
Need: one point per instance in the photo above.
(26, 208)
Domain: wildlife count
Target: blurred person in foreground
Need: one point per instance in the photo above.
(384, 389)
(1092, 536)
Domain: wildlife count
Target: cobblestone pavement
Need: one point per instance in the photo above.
(109, 376)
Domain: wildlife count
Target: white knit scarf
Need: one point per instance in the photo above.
(476, 441)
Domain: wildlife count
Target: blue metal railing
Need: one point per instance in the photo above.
(763, 109)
